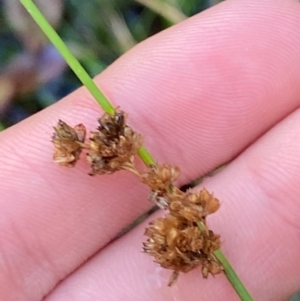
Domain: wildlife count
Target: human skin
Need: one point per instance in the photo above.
(222, 86)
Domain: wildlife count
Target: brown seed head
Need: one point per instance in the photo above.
(180, 245)
(211, 267)
(193, 206)
(161, 177)
(68, 143)
(113, 145)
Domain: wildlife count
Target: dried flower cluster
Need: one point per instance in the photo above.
(160, 179)
(113, 145)
(68, 143)
(110, 148)
(175, 241)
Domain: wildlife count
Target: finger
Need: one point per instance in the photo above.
(52, 219)
(217, 81)
(259, 226)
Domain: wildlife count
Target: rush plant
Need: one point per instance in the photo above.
(181, 240)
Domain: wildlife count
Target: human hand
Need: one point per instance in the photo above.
(201, 93)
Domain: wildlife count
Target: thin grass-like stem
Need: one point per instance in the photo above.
(82, 75)
(232, 277)
(230, 273)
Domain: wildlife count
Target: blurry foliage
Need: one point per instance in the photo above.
(32, 73)
(296, 297)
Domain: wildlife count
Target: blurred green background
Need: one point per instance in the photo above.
(32, 73)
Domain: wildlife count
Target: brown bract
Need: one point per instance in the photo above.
(160, 179)
(114, 145)
(193, 206)
(68, 143)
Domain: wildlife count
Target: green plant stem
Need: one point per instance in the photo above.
(107, 107)
(83, 76)
(229, 272)
(232, 276)
(146, 156)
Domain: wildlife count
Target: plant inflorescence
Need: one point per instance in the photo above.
(68, 156)
(175, 240)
